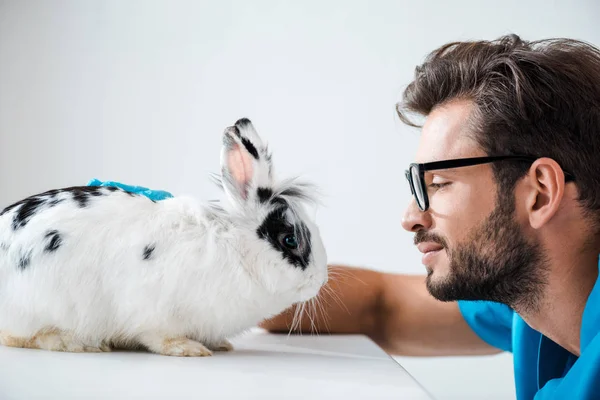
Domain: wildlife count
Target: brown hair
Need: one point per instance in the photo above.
(538, 98)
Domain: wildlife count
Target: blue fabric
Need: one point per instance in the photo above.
(543, 370)
(152, 194)
(493, 322)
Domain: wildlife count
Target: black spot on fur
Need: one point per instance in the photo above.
(148, 250)
(42, 197)
(3, 246)
(53, 202)
(132, 194)
(250, 147)
(27, 207)
(277, 200)
(24, 260)
(54, 241)
(94, 193)
(275, 226)
(81, 198)
(7, 209)
(264, 194)
(82, 194)
(26, 210)
(242, 122)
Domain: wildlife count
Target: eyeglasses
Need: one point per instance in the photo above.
(416, 173)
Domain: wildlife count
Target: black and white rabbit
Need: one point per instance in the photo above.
(89, 269)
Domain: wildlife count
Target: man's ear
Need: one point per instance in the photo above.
(546, 191)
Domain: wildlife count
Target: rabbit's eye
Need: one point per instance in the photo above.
(290, 241)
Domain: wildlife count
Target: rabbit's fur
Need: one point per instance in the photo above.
(95, 268)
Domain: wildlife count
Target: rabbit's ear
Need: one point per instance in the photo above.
(245, 163)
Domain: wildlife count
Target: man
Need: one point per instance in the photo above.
(506, 211)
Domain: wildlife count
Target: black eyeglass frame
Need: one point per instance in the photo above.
(457, 163)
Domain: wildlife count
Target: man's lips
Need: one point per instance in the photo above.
(428, 247)
(430, 251)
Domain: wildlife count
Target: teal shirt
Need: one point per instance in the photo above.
(543, 370)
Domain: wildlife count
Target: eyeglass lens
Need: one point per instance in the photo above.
(418, 187)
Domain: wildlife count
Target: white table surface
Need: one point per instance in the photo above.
(262, 366)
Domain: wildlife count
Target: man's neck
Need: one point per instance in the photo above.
(570, 281)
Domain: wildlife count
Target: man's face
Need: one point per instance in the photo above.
(474, 247)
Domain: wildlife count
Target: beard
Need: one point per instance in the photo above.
(497, 263)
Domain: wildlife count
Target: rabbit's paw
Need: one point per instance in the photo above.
(178, 346)
(223, 345)
(51, 339)
(184, 347)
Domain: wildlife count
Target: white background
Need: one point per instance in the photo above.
(140, 92)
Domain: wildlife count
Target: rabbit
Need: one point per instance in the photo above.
(93, 269)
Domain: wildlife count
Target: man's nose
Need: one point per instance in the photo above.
(414, 219)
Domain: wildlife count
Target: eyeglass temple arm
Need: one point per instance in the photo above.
(466, 162)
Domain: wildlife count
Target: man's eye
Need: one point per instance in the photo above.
(438, 185)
